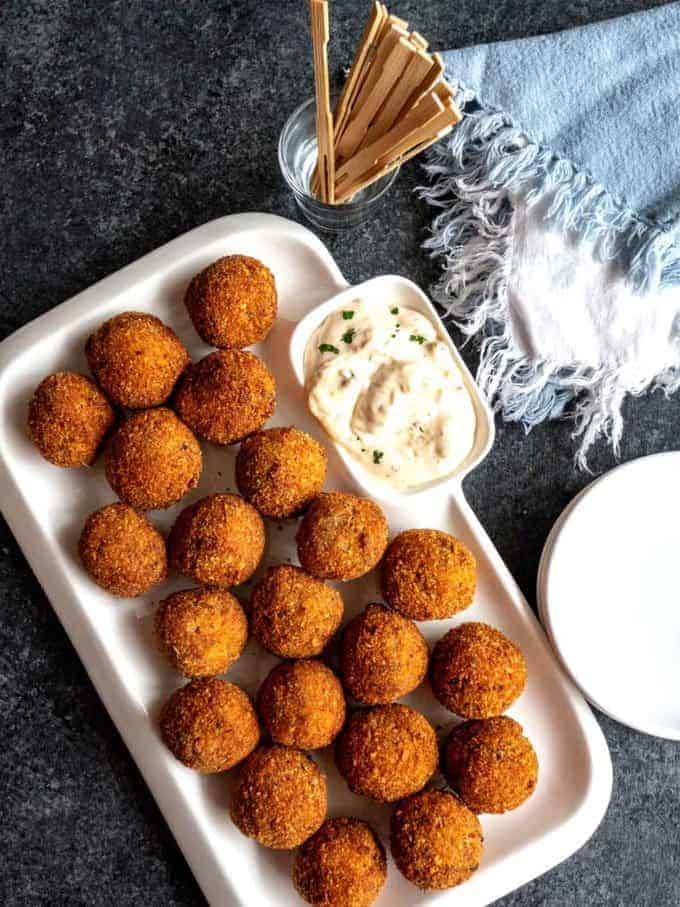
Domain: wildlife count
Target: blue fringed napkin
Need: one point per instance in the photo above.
(558, 231)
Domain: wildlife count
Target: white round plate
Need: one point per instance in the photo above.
(609, 593)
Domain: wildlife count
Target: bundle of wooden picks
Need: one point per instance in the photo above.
(395, 103)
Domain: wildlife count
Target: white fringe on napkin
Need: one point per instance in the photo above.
(577, 298)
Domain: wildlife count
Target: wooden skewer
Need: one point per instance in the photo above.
(406, 148)
(445, 94)
(448, 116)
(354, 169)
(419, 41)
(386, 41)
(394, 104)
(373, 96)
(359, 70)
(362, 59)
(324, 118)
(416, 70)
(379, 171)
(432, 78)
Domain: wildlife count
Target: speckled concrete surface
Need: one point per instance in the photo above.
(123, 125)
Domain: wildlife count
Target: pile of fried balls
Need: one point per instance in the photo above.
(146, 408)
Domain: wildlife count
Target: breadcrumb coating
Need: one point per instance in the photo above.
(153, 460)
(428, 575)
(476, 671)
(383, 656)
(342, 536)
(68, 419)
(342, 865)
(210, 725)
(280, 471)
(387, 752)
(226, 396)
(294, 614)
(301, 704)
(436, 841)
(232, 303)
(281, 797)
(136, 359)
(122, 552)
(218, 541)
(201, 632)
(491, 764)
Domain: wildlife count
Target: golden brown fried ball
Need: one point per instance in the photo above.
(341, 536)
(342, 865)
(383, 656)
(387, 752)
(136, 359)
(232, 302)
(436, 840)
(476, 672)
(280, 471)
(226, 396)
(294, 614)
(428, 575)
(210, 725)
(218, 541)
(301, 704)
(491, 764)
(122, 551)
(153, 460)
(68, 418)
(281, 797)
(201, 631)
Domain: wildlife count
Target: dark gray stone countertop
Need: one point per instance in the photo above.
(123, 125)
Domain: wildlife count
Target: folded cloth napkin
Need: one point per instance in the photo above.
(560, 211)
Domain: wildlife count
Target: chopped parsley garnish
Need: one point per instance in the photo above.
(418, 338)
(347, 314)
(348, 336)
(328, 348)
(395, 310)
(377, 456)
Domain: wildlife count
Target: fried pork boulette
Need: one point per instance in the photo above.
(218, 541)
(342, 865)
(136, 359)
(476, 671)
(209, 725)
(68, 419)
(383, 656)
(280, 799)
(226, 396)
(301, 704)
(491, 764)
(280, 471)
(294, 614)
(428, 575)
(387, 752)
(232, 303)
(153, 460)
(436, 841)
(341, 536)
(122, 552)
(201, 632)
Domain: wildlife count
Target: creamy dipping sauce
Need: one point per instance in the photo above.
(385, 387)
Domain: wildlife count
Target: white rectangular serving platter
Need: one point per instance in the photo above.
(46, 507)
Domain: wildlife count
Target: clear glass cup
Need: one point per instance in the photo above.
(297, 159)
